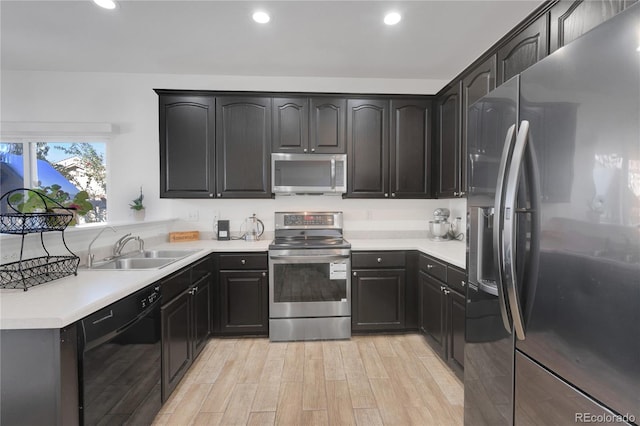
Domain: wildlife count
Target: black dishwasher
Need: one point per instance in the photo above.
(119, 361)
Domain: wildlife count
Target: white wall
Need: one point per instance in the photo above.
(128, 102)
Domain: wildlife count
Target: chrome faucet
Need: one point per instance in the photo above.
(90, 256)
(119, 245)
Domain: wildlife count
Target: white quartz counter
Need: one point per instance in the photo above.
(61, 302)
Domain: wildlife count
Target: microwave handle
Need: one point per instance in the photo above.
(333, 173)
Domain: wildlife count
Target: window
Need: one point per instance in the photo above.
(75, 171)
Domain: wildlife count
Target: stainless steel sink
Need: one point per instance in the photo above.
(148, 259)
(135, 263)
(175, 254)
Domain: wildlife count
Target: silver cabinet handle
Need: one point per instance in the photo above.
(455, 194)
(446, 291)
(211, 195)
(264, 274)
(429, 266)
(463, 283)
(304, 150)
(219, 195)
(510, 139)
(442, 288)
(355, 274)
(313, 150)
(393, 194)
(461, 193)
(379, 259)
(386, 195)
(244, 262)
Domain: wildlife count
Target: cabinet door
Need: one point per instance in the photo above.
(448, 143)
(570, 19)
(243, 146)
(456, 331)
(378, 300)
(524, 50)
(290, 125)
(432, 310)
(368, 146)
(187, 146)
(410, 148)
(176, 342)
(244, 306)
(202, 311)
(477, 83)
(327, 125)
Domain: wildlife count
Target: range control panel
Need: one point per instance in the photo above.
(308, 220)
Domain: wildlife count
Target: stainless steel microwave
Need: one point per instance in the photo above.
(309, 174)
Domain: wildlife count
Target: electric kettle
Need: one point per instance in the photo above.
(254, 228)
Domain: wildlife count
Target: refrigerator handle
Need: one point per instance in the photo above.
(498, 225)
(509, 233)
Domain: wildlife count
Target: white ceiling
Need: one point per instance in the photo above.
(434, 40)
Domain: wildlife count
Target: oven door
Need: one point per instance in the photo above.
(309, 283)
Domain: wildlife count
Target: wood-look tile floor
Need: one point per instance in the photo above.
(368, 380)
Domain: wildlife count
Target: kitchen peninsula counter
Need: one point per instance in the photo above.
(59, 303)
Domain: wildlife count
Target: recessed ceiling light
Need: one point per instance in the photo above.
(107, 4)
(261, 17)
(392, 18)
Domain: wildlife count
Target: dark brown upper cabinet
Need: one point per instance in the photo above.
(525, 49)
(243, 147)
(449, 143)
(327, 125)
(309, 125)
(571, 19)
(187, 145)
(410, 148)
(368, 148)
(290, 125)
(478, 81)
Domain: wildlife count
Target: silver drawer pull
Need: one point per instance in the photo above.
(429, 266)
(379, 259)
(264, 274)
(244, 262)
(463, 283)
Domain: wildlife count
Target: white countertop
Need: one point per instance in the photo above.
(61, 302)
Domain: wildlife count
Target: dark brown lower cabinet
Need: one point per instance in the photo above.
(186, 321)
(177, 352)
(442, 311)
(244, 302)
(456, 336)
(432, 311)
(378, 300)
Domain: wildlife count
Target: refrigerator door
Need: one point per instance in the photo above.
(489, 348)
(582, 321)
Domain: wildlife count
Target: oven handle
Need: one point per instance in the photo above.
(320, 257)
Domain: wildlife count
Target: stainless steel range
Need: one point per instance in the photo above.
(309, 278)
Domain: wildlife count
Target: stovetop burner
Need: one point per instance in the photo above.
(308, 230)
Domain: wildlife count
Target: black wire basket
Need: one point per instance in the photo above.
(53, 216)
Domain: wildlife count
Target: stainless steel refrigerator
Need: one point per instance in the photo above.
(553, 302)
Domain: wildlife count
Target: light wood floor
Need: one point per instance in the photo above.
(368, 380)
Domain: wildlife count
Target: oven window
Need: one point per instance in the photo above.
(311, 282)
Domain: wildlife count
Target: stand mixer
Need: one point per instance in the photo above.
(441, 230)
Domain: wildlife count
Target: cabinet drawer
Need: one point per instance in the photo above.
(244, 261)
(377, 259)
(201, 268)
(175, 284)
(433, 267)
(457, 279)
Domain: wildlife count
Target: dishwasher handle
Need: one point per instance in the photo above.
(116, 318)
